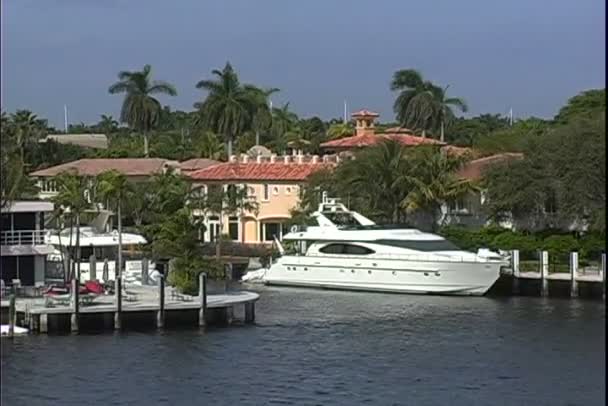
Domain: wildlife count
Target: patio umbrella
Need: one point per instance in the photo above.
(105, 270)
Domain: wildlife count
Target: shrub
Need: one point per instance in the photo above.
(559, 246)
(186, 270)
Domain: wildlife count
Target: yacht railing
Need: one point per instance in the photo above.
(406, 257)
(23, 237)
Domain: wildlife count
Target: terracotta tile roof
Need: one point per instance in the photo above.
(94, 167)
(266, 171)
(367, 140)
(398, 130)
(364, 113)
(475, 169)
(459, 151)
(197, 163)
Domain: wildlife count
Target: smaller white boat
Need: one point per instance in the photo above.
(103, 245)
(18, 331)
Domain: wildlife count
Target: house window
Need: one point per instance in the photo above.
(250, 191)
(233, 228)
(551, 203)
(270, 230)
(266, 192)
(458, 206)
(288, 190)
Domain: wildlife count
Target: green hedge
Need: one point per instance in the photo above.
(589, 246)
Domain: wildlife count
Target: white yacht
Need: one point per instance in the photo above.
(348, 251)
(97, 246)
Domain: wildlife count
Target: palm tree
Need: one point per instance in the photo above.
(107, 124)
(26, 126)
(412, 87)
(72, 192)
(140, 110)
(434, 182)
(113, 188)
(208, 145)
(340, 130)
(423, 105)
(262, 117)
(229, 106)
(376, 178)
(445, 115)
(283, 120)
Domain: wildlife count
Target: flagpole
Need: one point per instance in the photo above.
(65, 117)
(345, 114)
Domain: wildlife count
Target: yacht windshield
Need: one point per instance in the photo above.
(421, 245)
(342, 219)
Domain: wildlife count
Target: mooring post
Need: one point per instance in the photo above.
(202, 293)
(160, 316)
(515, 267)
(118, 293)
(144, 271)
(44, 323)
(75, 306)
(249, 312)
(544, 273)
(12, 316)
(603, 271)
(573, 274)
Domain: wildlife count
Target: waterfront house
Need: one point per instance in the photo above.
(366, 135)
(23, 248)
(275, 183)
(135, 169)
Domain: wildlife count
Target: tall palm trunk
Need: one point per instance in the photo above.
(70, 273)
(78, 248)
(218, 240)
(442, 138)
(229, 139)
(257, 137)
(118, 271)
(146, 145)
(423, 133)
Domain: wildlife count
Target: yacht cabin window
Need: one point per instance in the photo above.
(347, 249)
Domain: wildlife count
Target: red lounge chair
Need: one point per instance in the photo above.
(94, 287)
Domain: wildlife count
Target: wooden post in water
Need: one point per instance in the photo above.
(603, 271)
(544, 273)
(202, 293)
(160, 316)
(573, 274)
(249, 312)
(12, 316)
(75, 306)
(515, 266)
(118, 293)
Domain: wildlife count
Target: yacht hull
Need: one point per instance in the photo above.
(396, 276)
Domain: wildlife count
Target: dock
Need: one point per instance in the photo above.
(146, 307)
(594, 276)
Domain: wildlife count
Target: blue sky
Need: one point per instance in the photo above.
(531, 55)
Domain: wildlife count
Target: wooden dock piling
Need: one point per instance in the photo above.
(75, 306)
(202, 293)
(544, 273)
(118, 293)
(12, 316)
(573, 274)
(249, 312)
(515, 266)
(160, 315)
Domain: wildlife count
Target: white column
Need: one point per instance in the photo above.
(544, 273)
(573, 274)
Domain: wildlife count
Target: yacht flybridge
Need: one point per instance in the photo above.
(349, 251)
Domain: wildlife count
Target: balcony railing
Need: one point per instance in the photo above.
(22, 237)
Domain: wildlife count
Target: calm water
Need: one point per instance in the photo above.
(314, 347)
